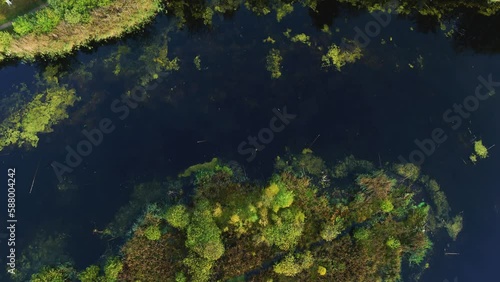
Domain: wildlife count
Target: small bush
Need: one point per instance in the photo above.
(177, 216)
(46, 20)
(153, 233)
(5, 40)
(23, 25)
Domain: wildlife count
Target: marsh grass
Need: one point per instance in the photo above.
(112, 21)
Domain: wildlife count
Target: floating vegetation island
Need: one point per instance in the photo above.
(310, 221)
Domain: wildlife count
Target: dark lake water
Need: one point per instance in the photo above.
(375, 107)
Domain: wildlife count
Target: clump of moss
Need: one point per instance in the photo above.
(273, 63)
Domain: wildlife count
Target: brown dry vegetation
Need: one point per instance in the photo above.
(122, 16)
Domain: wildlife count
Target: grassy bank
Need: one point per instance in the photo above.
(18, 7)
(60, 36)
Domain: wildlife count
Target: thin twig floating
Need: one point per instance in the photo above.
(452, 254)
(314, 141)
(34, 176)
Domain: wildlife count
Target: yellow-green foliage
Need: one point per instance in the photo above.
(197, 62)
(282, 10)
(90, 274)
(386, 206)
(340, 57)
(5, 40)
(480, 149)
(204, 236)
(393, 243)
(454, 226)
(53, 274)
(408, 171)
(286, 229)
(331, 230)
(112, 269)
(362, 234)
(153, 232)
(273, 63)
(199, 268)
(302, 38)
(321, 270)
(177, 216)
(198, 167)
(292, 265)
(44, 33)
(46, 109)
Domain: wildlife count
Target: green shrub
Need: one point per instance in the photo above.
(386, 206)
(153, 233)
(204, 236)
(46, 20)
(362, 234)
(393, 243)
(90, 274)
(5, 40)
(23, 25)
(53, 274)
(177, 216)
(112, 269)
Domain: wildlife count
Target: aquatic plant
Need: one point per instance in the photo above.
(199, 167)
(479, 151)
(339, 57)
(408, 171)
(273, 63)
(46, 109)
(302, 38)
(197, 62)
(455, 226)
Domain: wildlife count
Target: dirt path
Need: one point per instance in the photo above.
(9, 24)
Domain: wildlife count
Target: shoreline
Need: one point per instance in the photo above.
(112, 21)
